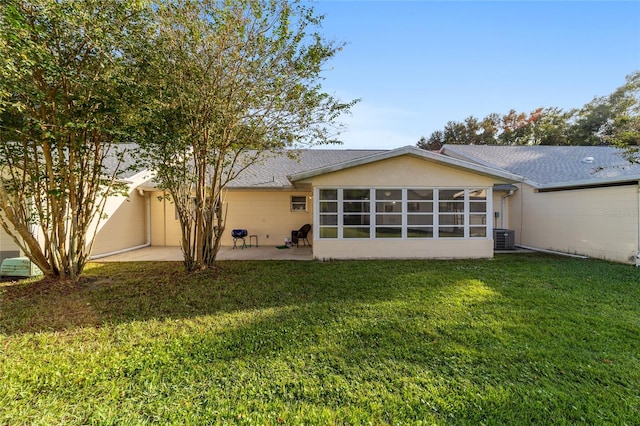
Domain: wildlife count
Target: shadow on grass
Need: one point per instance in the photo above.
(392, 340)
(137, 291)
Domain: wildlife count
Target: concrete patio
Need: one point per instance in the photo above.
(162, 254)
(159, 254)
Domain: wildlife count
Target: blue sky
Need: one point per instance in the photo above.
(418, 64)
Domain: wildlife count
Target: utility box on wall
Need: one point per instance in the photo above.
(19, 267)
(504, 239)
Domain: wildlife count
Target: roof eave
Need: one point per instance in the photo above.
(254, 187)
(587, 183)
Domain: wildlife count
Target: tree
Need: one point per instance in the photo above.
(434, 143)
(233, 80)
(455, 133)
(623, 127)
(490, 127)
(606, 120)
(513, 128)
(64, 100)
(610, 120)
(589, 123)
(551, 128)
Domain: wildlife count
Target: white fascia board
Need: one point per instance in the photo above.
(142, 176)
(142, 180)
(414, 152)
(591, 182)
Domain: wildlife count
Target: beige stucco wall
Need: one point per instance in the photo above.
(265, 213)
(596, 222)
(165, 227)
(399, 172)
(125, 227)
(449, 248)
(8, 247)
(126, 223)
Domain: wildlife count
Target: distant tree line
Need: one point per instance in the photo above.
(606, 120)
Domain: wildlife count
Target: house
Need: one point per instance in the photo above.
(411, 203)
(127, 226)
(579, 199)
(402, 203)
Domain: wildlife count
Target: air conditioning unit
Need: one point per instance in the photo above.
(504, 239)
(19, 267)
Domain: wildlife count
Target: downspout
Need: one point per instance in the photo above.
(164, 218)
(503, 208)
(147, 204)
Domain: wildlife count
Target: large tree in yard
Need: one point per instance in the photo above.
(65, 99)
(233, 81)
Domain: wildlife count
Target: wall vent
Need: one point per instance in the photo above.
(504, 239)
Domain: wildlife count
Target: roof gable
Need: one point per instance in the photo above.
(409, 151)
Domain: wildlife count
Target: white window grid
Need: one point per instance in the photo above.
(475, 224)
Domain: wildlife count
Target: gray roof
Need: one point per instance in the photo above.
(553, 166)
(273, 171)
(415, 152)
(129, 165)
(541, 166)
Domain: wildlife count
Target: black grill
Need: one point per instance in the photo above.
(239, 233)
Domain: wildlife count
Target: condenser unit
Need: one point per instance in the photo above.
(504, 239)
(19, 267)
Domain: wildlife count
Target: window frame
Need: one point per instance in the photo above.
(470, 226)
(292, 203)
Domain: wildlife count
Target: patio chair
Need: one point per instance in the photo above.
(301, 234)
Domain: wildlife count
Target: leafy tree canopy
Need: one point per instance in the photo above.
(229, 82)
(65, 99)
(606, 120)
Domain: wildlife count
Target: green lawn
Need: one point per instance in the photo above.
(519, 339)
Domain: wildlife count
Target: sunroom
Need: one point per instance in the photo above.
(405, 203)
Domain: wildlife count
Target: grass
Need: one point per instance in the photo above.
(519, 339)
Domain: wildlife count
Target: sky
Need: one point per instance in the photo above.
(416, 65)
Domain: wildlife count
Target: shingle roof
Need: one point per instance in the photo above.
(552, 165)
(415, 152)
(129, 166)
(272, 171)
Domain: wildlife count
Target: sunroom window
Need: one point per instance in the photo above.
(356, 216)
(388, 213)
(328, 213)
(420, 213)
(477, 213)
(402, 213)
(451, 213)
